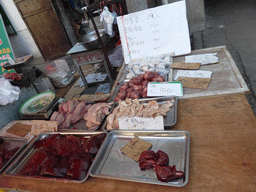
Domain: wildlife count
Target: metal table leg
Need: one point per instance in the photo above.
(81, 74)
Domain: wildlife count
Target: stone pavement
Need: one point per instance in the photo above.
(232, 23)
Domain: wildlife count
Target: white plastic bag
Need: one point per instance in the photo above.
(107, 18)
(8, 92)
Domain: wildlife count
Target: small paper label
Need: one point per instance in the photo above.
(193, 74)
(135, 147)
(180, 65)
(195, 83)
(165, 89)
(141, 123)
(207, 58)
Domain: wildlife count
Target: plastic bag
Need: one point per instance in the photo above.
(8, 92)
(116, 58)
(160, 64)
(108, 18)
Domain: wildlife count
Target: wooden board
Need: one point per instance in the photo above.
(45, 27)
(226, 77)
(222, 152)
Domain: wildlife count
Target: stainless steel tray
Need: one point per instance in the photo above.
(11, 143)
(23, 158)
(111, 163)
(171, 116)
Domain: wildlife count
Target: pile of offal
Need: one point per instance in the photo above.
(136, 87)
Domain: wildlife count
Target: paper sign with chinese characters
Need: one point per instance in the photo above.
(155, 31)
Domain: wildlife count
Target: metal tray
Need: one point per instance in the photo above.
(111, 163)
(23, 158)
(10, 143)
(171, 116)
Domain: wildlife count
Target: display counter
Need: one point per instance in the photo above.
(222, 129)
(222, 151)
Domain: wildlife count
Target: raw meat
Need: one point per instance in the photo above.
(132, 108)
(136, 87)
(159, 161)
(95, 114)
(162, 158)
(14, 76)
(69, 113)
(63, 156)
(167, 173)
(147, 160)
(5, 154)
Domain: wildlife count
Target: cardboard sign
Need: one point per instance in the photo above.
(135, 147)
(180, 65)
(195, 83)
(140, 123)
(204, 59)
(155, 31)
(165, 89)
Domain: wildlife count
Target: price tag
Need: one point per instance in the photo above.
(165, 89)
(193, 74)
(141, 123)
(207, 58)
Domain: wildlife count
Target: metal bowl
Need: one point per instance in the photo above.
(90, 40)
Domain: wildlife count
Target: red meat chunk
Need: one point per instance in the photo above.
(74, 140)
(162, 158)
(93, 144)
(136, 95)
(47, 141)
(47, 169)
(63, 146)
(167, 173)
(149, 75)
(147, 160)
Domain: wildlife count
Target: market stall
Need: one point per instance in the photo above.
(175, 121)
(222, 130)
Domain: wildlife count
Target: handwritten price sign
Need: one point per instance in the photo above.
(165, 89)
(141, 123)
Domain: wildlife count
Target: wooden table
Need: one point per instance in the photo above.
(222, 151)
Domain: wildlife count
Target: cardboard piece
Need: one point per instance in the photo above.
(181, 65)
(135, 147)
(19, 129)
(194, 83)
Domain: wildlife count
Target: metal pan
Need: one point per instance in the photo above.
(23, 158)
(171, 116)
(9, 144)
(111, 163)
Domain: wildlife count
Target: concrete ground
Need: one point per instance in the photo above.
(232, 23)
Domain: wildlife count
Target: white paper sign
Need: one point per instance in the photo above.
(165, 89)
(155, 31)
(207, 58)
(141, 123)
(193, 74)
